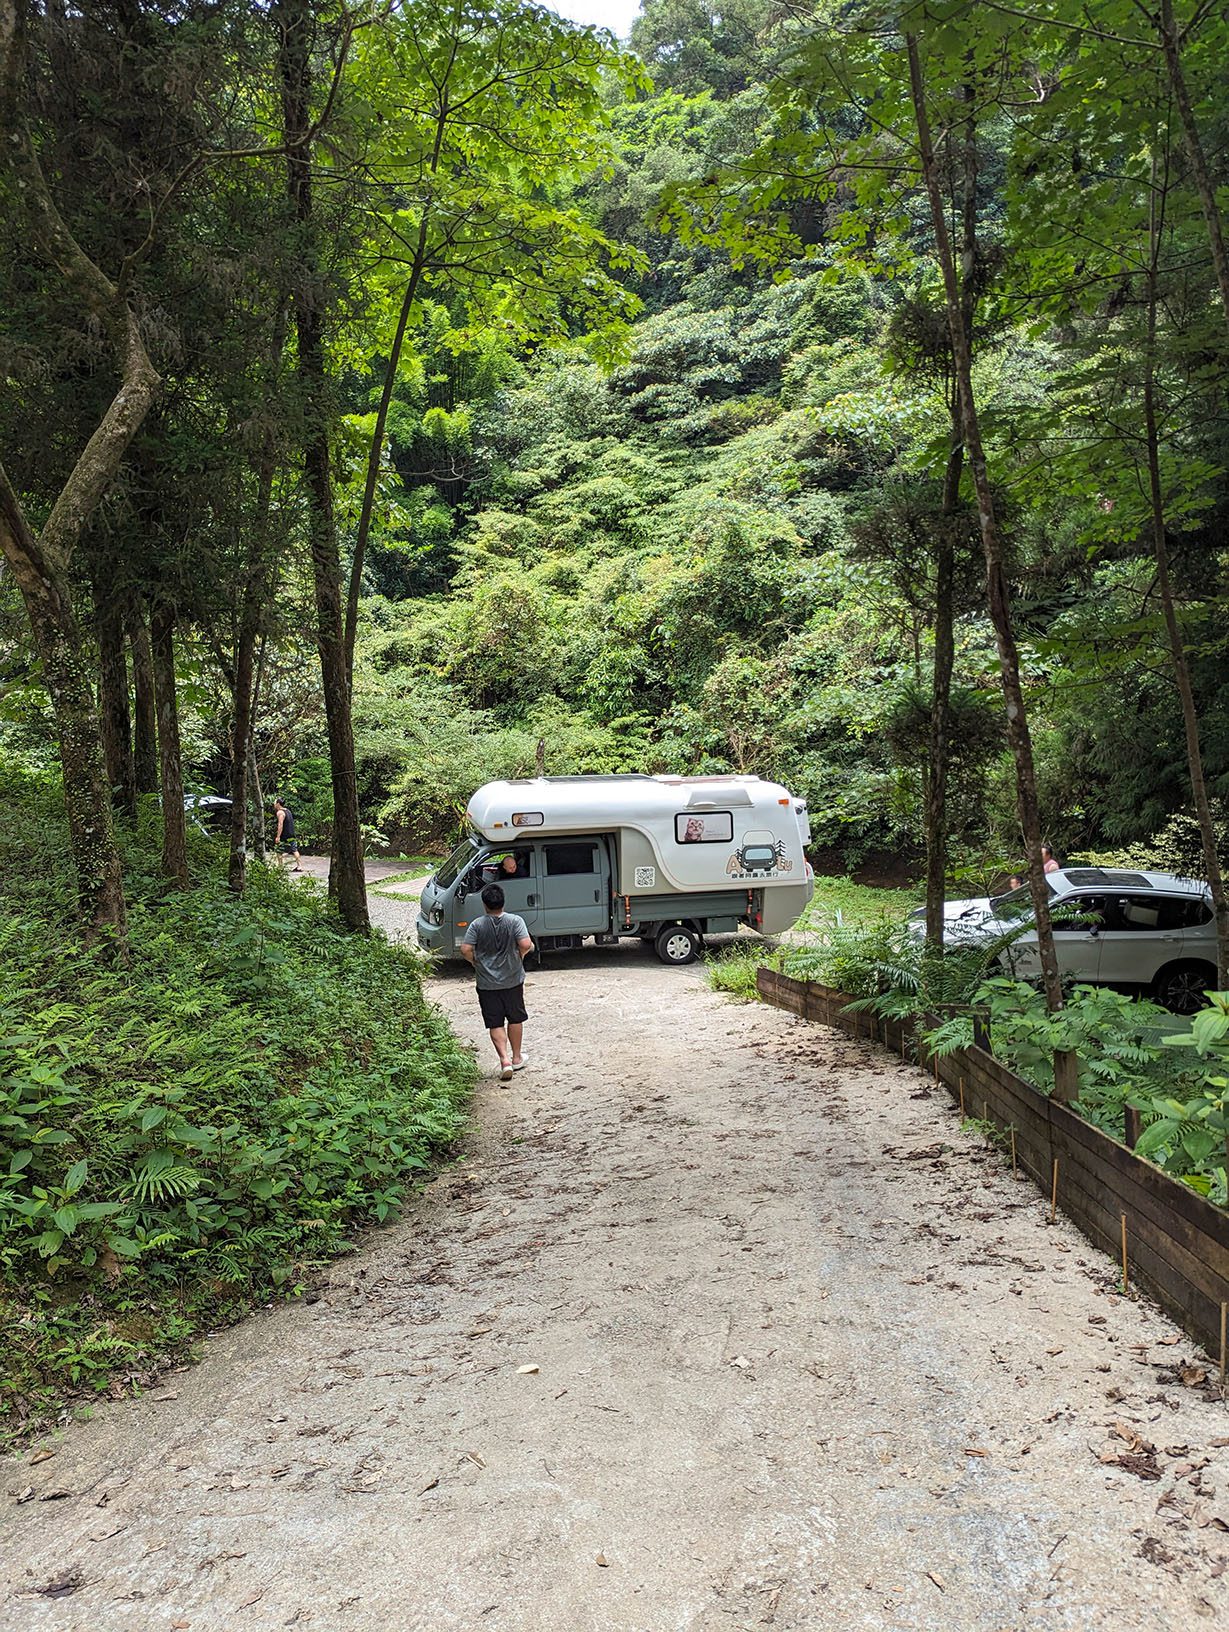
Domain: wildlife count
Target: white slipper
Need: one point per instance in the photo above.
(519, 1066)
(505, 1073)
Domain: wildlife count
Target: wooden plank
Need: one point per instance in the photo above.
(1150, 1258)
(822, 1007)
(1027, 1108)
(1191, 1254)
(1070, 1130)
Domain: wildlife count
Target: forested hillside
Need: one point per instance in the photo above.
(720, 554)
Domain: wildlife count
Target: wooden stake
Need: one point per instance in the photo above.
(985, 1110)
(936, 1065)
(1224, 1320)
(962, 1097)
(1013, 1151)
(1054, 1193)
(1125, 1282)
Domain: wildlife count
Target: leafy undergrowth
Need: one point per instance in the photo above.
(839, 908)
(190, 1134)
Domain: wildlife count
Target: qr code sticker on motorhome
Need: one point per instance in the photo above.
(646, 878)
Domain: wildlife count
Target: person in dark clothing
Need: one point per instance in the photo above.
(284, 840)
(496, 945)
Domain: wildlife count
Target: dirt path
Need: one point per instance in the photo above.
(803, 1357)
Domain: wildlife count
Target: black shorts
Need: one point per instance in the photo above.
(288, 847)
(503, 1008)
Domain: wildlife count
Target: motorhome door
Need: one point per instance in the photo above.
(522, 889)
(575, 886)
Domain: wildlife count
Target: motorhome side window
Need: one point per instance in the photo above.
(570, 858)
(714, 827)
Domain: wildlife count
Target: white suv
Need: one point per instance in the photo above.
(1112, 928)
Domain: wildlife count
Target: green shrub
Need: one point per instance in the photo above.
(733, 968)
(195, 1130)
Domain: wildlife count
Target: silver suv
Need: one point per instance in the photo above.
(1111, 928)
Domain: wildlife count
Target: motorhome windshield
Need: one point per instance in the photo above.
(457, 862)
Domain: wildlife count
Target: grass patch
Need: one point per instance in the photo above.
(855, 904)
(190, 1134)
(836, 901)
(733, 968)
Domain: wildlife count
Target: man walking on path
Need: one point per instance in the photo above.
(497, 944)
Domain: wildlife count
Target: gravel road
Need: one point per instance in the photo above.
(718, 1322)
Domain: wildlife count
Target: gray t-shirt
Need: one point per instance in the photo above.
(497, 958)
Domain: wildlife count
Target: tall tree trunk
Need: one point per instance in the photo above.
(935, 814)
(113, 703)
(945, 574)
(997, 592)
(346, 881)
(1200, 174)
(64, 656)
(174, 827)
(144, 708)
(259, 581)
(241, 739)
(258, 802)
(1177, 646)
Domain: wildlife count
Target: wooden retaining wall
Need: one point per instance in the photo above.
(1177, 1241)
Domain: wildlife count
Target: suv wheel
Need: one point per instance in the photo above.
(1180, 986)
(677, 944)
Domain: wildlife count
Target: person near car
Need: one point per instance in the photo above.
(496, 945)
(284, 841)
(1047, 859)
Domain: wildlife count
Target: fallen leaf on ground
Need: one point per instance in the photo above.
(741, 1361)
(255, 1598)
(937, 1579)
(1192, 1376)
(41, 1456)
(1053, 1352)
(1169, 1340)
(55, 1495)
(26, 1495)
(1144, 1467)
(61, 1586)
(1135, 1441)
(602, 1562)
(428, 1487)
(475, 1458)
(975, 1450)
(525, 1371)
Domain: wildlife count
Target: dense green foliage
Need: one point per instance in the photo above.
(197, 1132)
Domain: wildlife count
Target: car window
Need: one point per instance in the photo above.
(494, 871)
(1163, 912)
(458, 860)
(1078, 914)
(570, 858)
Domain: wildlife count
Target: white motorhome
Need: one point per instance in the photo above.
(666, 859)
